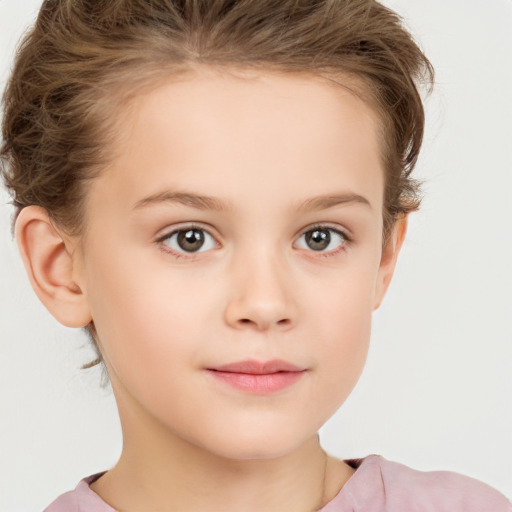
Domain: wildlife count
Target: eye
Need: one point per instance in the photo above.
(322, 239)
(189, 240)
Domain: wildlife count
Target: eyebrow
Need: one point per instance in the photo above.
(202, 202)
(328, 201)
(187, 199)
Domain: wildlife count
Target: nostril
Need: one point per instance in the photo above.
(284, 321)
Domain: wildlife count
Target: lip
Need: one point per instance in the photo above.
(258, 377)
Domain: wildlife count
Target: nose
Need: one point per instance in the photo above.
(261, 295)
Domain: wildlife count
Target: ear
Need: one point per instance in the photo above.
(49, 261)
(389, 258)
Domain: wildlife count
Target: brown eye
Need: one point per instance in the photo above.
(318, 239)
(322, 239)
(189, 240)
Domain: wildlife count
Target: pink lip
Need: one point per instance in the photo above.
(256, 377)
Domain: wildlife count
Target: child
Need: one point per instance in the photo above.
(218, 192)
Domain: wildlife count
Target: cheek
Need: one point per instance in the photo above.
(150, 336)
(143, 313)
(339, 327)
(343, 323)
(347, 332)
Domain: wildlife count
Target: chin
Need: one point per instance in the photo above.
(256, 444)
(252, 452)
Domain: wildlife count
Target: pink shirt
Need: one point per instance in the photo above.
(377, 486)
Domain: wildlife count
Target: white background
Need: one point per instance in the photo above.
(437, 390)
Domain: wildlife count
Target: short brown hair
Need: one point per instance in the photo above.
(82, 59)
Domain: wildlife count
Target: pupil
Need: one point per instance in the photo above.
(191, 240)
(318, 239)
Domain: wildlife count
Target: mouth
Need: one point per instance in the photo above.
(258, 377)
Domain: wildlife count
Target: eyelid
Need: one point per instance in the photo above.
(327, 225)
(344, 233)
(178, 228)
(184, 226)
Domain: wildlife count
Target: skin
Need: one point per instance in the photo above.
(263, 144)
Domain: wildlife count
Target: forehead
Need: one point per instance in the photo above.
(264, 134)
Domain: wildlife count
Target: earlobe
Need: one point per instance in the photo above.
(49, 265)
(389, 257)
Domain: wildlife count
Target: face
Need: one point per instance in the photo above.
(232, 259)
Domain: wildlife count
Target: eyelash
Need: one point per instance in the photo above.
(180, 255)
(347, 240)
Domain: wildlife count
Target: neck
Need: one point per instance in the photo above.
(163, 472)
(185, 479)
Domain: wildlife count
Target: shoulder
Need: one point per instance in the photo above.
(65, 503)
(82, 499)
(400, 488)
